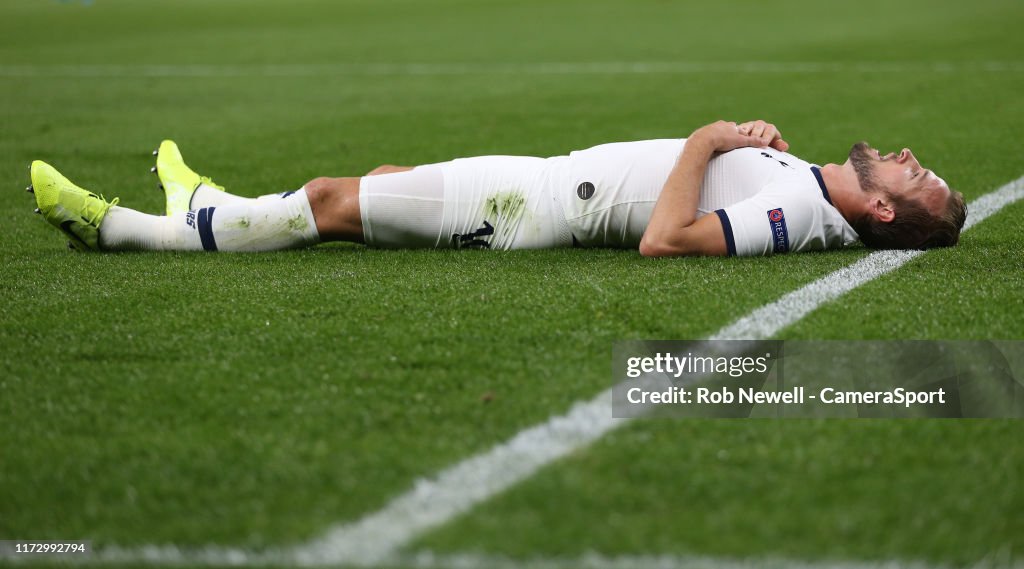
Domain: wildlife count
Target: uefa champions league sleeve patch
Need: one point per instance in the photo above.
(780, 233)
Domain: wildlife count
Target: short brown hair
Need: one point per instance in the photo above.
(913, 226)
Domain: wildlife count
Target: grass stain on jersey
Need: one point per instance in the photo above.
(506, 211)
(504, 205)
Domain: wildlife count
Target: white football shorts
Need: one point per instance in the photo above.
(487, 202)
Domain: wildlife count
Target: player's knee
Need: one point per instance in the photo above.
(320, 190)
(323, 192)
(319, 185)
(332, 196)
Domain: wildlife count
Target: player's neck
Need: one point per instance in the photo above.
(845, 191)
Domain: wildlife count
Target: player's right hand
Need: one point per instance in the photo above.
(765, 131)
(723, 136)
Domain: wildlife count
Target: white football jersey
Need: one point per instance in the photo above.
(768, 201)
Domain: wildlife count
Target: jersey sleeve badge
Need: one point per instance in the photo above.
(780, 233)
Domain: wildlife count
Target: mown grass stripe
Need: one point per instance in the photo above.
(172, 556)
(538, 68)
(426, 560)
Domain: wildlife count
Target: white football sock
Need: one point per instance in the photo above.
(207, 196)
(281, 221)
(125, 229)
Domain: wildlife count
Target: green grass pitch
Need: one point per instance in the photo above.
(255, 400)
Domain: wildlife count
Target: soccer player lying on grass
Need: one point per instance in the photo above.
(656, 195)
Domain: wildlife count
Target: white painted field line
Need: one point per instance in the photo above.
(457, 489)
(377, 538)
(532, 68)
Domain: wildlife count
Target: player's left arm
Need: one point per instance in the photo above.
(674, 229)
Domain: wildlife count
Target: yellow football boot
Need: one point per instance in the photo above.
(178, 181)
(73, 210)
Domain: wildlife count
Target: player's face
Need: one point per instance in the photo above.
(899, 173)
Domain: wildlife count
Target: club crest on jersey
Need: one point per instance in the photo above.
(769, 156)
(780, 233)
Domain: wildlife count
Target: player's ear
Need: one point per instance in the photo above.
(881, 209)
